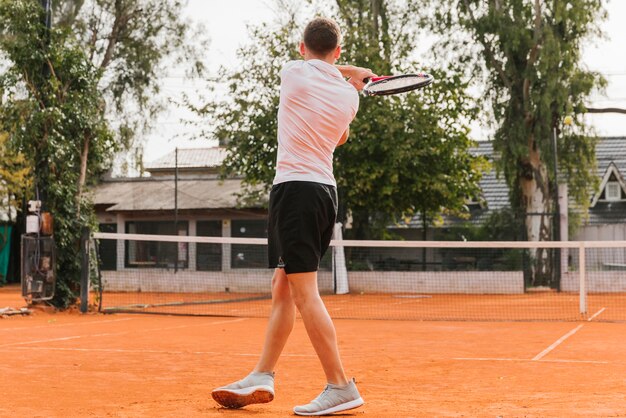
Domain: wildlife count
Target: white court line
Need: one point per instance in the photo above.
(557, 343)
(122, 350)
(49, 340)
(596, 314)
(74, 337)
(402, 302)
(55, 324)
(527, 360)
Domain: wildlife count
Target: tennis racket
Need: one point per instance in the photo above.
(395, 84)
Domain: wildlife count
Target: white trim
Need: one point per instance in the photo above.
(374, 244)
(611, 169)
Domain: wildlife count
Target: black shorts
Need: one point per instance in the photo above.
(302, 215)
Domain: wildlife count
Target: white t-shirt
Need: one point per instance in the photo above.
(316, 107)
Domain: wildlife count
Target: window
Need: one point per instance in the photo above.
(156, 253)
(209, 256)
(249, 256)
(107, 248)
(613, 191)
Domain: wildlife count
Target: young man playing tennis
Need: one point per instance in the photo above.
(316, 107)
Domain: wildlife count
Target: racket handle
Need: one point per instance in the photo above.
(374, 79)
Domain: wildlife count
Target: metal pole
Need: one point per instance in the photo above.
(41, 161)
(47, 6)
(557, 214)
(424, 238)
(84, 277)
(176, 205)
(582, 271)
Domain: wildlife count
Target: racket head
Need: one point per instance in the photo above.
(384, 86)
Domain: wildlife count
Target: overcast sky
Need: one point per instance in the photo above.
(225, 23)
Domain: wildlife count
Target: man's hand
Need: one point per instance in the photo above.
(355, 75)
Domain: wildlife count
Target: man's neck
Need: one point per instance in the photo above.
(330, 59)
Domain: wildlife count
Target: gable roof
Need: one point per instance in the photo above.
(611, 171)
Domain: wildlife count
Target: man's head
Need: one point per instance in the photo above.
(321, 40)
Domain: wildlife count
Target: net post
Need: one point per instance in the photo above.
(582, 271)
(340, 271)
(84, 276)
(226, 248)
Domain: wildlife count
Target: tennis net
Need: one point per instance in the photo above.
(414, 280)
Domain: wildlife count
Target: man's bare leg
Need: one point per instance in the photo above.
(282, 319)
(318, 324)
(258, 386)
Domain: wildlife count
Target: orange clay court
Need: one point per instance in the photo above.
(130, 365)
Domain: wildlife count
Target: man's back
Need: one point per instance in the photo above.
(316, 107)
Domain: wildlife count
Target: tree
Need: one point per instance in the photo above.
(102, 61)
(406, 154)
(131, 42)
(50, 117)
(531, 51)
(409, 152)
(15, 176)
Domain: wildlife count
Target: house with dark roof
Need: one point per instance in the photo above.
(606, 218)
(607, 211)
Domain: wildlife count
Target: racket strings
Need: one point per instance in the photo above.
(397, 83)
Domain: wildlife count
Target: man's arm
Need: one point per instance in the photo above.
(343, 138)
(355, 75)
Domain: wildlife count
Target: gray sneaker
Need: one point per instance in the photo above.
(333, 399)
(254, 388)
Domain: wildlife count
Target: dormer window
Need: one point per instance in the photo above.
(612, 187)
(613, 191)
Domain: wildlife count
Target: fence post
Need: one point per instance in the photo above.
(582, 271)
(84, 276)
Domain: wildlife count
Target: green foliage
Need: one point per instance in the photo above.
(405, 154)
(51, 107)
(410, 153)
(532, 54)
(500, 225)
(103, 62)
(132, 43)
(15, 175)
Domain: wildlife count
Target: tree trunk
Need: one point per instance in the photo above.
(536, 201)
(83, 172)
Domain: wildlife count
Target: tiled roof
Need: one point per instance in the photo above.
(155, 195)
(495, 191)
(611, 149)
(190, 158)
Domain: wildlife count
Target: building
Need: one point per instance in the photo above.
(194, 202)
(606, 219)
